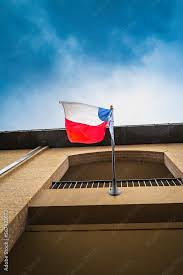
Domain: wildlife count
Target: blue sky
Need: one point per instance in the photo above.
(127, 53)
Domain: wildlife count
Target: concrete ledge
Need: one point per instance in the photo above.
(83, 206)
(99, 196)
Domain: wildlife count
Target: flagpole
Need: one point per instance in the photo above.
(114, 191)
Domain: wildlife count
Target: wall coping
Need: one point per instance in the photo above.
(124, 135)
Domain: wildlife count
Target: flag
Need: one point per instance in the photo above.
(85, 123)
(111, 128)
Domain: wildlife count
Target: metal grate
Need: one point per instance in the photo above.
(120, 183)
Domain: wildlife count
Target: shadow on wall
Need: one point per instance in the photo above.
(125, 169)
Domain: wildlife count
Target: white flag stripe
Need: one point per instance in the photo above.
(82, 113)
(111, 128)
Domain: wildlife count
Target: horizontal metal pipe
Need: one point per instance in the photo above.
(20, 160)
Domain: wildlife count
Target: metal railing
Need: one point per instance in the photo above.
(21, 160)
(120, 183)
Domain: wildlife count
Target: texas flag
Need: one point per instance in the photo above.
(85, 123)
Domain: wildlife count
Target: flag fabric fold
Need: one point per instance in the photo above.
(85, 123)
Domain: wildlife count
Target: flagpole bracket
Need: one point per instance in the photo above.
(114, 191)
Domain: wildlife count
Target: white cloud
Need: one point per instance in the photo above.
(150, 92)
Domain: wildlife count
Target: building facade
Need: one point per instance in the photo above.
(61, 219)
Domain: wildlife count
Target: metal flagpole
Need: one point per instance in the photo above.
(114, 191)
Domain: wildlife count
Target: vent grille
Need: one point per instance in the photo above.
(120, 183)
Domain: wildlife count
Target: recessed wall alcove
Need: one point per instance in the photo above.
(129, 165)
